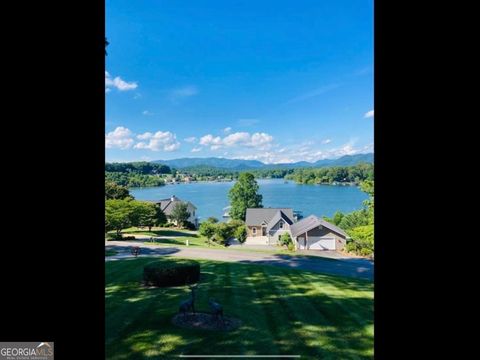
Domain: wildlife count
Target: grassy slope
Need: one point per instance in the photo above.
(283, 311)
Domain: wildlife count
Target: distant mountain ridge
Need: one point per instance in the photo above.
(239, 164)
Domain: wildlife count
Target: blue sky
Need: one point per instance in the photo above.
(275, 81)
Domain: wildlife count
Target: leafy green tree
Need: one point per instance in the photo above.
(207, 229)
(223, 232)
(241, 234)
(160, 217)
(144, 214)
(212, 220)
(115, 191)
(355, 219)
(243, 195)
(361, 241)
(118, 214)
(180, 214)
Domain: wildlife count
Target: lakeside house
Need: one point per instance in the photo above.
(266, 225)
(167, 206)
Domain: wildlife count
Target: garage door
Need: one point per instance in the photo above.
(321, 243)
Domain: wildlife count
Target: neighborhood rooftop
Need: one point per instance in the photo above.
(311, 222)
(167, 205)
(256, 216)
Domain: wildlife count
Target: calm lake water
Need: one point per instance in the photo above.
(211, 197)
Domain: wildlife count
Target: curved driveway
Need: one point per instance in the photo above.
(350, 267)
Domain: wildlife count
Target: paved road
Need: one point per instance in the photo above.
(350, 267)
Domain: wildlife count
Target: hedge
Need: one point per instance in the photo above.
(171, 273)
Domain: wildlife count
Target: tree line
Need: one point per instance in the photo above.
(359, 225)
(139, 167)
(328, 175)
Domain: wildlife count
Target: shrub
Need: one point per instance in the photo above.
(241, 234)
(290, 246)
(286, 240)
(207, 229)
(361, 242)
(171, 273)
(189, 226)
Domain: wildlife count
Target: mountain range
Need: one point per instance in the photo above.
(239, 164)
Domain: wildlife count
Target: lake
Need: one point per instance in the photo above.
(211, 197)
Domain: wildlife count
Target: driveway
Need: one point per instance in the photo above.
(349, 267)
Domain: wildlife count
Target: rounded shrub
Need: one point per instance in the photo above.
(171, 273)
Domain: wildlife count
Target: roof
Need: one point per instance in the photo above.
(259, 216)
(312, 222)
(167, 205)
(276, 218)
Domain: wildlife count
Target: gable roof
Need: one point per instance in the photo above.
(259, 216)
(279, 215)
(167, 205)
(312, 222)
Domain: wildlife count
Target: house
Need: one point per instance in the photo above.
(313, 233)
(266, 225)
(167, 206)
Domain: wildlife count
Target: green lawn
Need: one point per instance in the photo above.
(159, 232)
(283, 311)
(192, 241)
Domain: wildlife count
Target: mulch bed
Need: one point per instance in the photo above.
(205, 321)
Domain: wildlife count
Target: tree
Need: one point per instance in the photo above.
(361, 241)
(207, 229)
(243, 195)
(241, 234)
(144, 214)
(118, 214)
(212, 220)
(160, 217)
(368, 187)
(223, 232)
(180, 214)
(115, 191)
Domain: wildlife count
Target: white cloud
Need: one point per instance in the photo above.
(210, 140)
(146, 112)
(368, 114)
(227, 129)
(196, 149)
(118, 83)
(300, 152)
(262, 141)
(326, 141)
(236, 138)
(120, 138)
(190, 139)
(160, 141)
(183, 92)
(145, 136)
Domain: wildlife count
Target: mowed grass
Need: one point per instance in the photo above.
(284, 312)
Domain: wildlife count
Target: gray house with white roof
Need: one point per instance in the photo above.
(266, 225)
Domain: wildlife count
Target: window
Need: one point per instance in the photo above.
(281, 224)
(254, 231)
